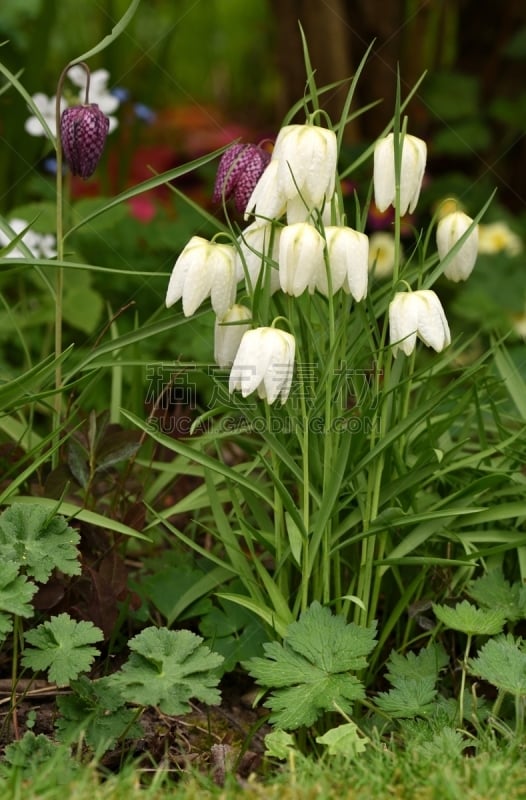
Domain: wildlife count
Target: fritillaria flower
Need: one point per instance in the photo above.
(347, 255)
(450, 229)
(412, 167)
(301, 174)
(228, 333)
(258, 247)
(240, 168)
(83, 131)
(301, 261)
(264, 363)
(203, 269)
(415, 315)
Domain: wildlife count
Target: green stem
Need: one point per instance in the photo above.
(463, 680)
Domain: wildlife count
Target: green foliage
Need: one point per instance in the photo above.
(38, 541)
(345, 740)
(63, 647)
(95, 712)
(310, 672)
(33, 753)
(502, 662)
(168, 668)
(474, 621)
(16, 593)
(414, 680)
(492, 590)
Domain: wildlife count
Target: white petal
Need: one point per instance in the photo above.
(433, 327)
(403, 322)
(384, 173)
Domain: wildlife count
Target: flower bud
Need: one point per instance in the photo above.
(83, 131)
(450, 229)
(240, 168)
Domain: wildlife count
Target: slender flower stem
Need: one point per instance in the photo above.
(59, 280)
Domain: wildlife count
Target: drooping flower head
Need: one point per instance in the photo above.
(228, 332)
(203, 269)
(240, 168)
(264, 363)
(417, 314)
(412, 168)
(83, 131)
(450, 230)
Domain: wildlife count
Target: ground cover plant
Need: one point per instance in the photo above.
(298, 548)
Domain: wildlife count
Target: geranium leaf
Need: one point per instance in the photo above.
(63, 647)
(471, 620)
(168, 668)
(310, 672)
(502, 662)
(37, 541)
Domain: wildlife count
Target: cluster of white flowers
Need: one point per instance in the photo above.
(310, 250)
(99, 94)
(39, 245)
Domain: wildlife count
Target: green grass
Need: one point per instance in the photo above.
(495, 773)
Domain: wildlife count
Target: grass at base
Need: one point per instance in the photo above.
(497, 773)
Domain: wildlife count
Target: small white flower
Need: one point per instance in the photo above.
(264, 363)
(382, 254)
(47, 107)
(228, 333)
(301, 261)
(347, 253)
(203, 269)
(412, 168)
(497, 237)
(449, 230)
(253, 253)
(39, 245)
(417, 314)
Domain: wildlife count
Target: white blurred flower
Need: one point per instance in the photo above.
(46, 106)
(254, 245)
(228, 333)
(347, 254)
(497, 237)
(417, 314)
(412, 168)
(264, 363)
(98, 91)
(39, 245)
(381, 254)
(450, 229)
(301, 260)
(203, 269)
(98, 94)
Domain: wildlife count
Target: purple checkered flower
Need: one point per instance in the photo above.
(83, 131)
(240, 168)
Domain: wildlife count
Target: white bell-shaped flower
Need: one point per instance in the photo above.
(264, 363)
(301, 260)
(347, 256)
(449, 230)
(258, 247)
(267, 201)
(203, 269)
(306, 156)
(228, 333)
(417, 314)
(412, 168)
